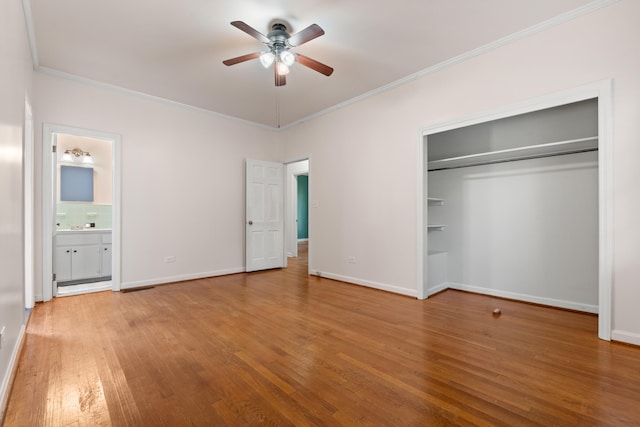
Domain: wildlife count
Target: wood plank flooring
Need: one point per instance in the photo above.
(283, 349)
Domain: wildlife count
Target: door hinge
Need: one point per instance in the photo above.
(54, 148)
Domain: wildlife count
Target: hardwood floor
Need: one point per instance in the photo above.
(280, 348)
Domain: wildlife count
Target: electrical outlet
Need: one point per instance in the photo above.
(352, 260)
(169, 259)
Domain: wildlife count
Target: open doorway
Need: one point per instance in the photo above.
(438, 256)
(81, 211)
(297, 207)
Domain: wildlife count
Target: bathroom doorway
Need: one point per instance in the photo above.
(81, 211)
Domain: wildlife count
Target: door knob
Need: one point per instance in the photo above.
(250, 222)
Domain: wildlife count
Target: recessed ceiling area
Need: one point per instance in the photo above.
(174, 50)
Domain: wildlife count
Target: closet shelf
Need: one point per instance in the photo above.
(435, 227)
(519, 153)
(433, 253)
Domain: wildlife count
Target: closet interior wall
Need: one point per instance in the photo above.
(512, 207)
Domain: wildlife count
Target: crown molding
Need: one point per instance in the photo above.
(31, 34)
(567, 16)
(119, 89)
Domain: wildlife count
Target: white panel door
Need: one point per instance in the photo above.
(264, 222)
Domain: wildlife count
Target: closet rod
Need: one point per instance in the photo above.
(560, 148)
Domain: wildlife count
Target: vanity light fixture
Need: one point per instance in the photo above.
(75, 154)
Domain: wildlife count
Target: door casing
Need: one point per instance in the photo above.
(49, 196)
(601, 90)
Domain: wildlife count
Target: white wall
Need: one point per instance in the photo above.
(525, 230)
(15, 84)
(365, 155)
(182, 177)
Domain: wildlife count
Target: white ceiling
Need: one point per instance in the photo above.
(174, 49)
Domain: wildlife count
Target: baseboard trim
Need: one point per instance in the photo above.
(625, 337)
(7, 381)
(367, 283)
(437, 289)
(181, 278)
(570, 305)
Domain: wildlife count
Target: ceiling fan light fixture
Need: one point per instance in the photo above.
(287, 58)
(267, 58)
(282, 68)
(278, 42)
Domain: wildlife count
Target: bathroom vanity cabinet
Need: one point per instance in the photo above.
(83, 255)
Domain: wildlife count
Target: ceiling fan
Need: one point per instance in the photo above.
(279, 42)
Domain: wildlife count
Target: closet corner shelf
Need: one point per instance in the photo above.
(435, 227)
(434, 201)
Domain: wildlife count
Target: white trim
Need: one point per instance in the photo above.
(47, 213)
(580, 93)
(422, 218)
(605, 207)
(624, 336)
(438, 288)
(552, 302)
(303, 240)
(28, 191)
(31, 33)
(567, 16)
(557, 20)
(602, 90)
(146, 96)
(84, 288)
(181, 278)
(367, 283)
(5, 387)
(48, 199)
(291, 199)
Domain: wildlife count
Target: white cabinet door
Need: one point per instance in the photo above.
(63, 263)
(106, 260)
(85, 262)
(264, 222)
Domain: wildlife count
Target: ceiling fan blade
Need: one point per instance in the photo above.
(242, 58)
(281, 80)
(251, 31)
(314, 65)
(309, 33)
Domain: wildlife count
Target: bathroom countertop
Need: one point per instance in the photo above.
(84, 230)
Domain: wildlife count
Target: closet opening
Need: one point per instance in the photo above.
(516, 205)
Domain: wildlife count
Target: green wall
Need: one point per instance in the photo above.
(303, 207)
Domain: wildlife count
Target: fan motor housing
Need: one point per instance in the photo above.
(278, 34)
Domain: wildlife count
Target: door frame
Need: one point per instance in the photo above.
(28, 203)
(293, 170)
(602, 91)
(49, 196)
(291, 229)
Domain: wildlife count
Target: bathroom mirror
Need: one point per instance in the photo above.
(76, 184)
